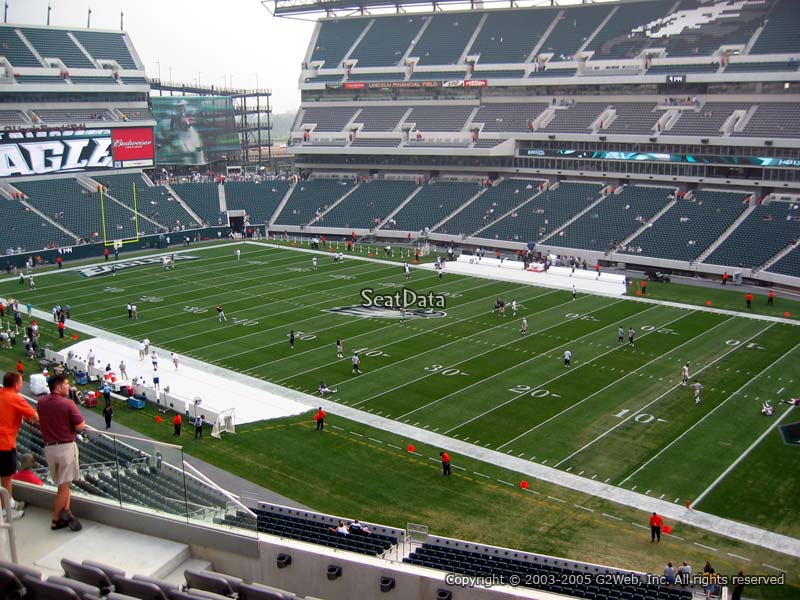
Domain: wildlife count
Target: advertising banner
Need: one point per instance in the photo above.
(194, 130)
(47, 151)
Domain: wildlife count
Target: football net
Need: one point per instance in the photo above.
(225, 423)
(425, 249)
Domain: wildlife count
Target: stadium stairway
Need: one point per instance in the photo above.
(91, 185)
(528, 200)
(321, 215)
(181, 201)
(128, 550)
(399, 207)
(462, 207)
(6, 190)
(707, 252)
(647, 224)
(282, 203)
(603, 195)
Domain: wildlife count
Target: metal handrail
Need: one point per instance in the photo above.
(9, 523)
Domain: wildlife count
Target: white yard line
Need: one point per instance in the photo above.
(615, 382)
(741, 457)
(473, 357)
(484, 380)
(424, 333)
(649, 404)
(708, 414)
(565, 373)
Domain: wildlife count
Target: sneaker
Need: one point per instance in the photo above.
(17, 514)
(18, 505)
(60, 524)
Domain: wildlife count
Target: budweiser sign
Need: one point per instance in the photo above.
(41, 152)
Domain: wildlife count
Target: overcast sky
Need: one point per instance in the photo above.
(219, 41)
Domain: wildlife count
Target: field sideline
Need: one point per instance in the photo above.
(618, 415)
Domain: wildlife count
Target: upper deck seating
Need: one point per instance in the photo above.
(616, 39)
(335, 38)
(55, 43)
(387, 41)
(509, 36)
(779, 36)
(573, 29)
(15, 50)
(446, 37)
(107, 45)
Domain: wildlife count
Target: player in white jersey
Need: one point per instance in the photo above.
(402, 314)
(685, 375)
(524, 329)
(698, 387)
(514, 307)
(175, 360)
(567, 358)
(238, 254)
(339, 348)
(314, 263)
(406, 271)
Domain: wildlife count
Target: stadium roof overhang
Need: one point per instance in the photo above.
(281, 8)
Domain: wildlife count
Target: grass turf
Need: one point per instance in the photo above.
(616, 414)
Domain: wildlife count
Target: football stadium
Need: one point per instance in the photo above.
(514, 314)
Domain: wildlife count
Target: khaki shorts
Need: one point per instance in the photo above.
(63, 462)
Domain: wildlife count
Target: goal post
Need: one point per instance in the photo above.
(225, 423)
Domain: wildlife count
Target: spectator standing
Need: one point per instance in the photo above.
(320, 419)
(107, 393)
(108, 413)
(445, 464)
(198, 426)
(13, 408)
(655, 527)
(60, 422)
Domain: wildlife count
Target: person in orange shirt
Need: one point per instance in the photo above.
(13, 408)
(748, 298)
(320, 419)
(655, 527)
(20, 368)
(771, 298)
(176, 422)
(445, 464)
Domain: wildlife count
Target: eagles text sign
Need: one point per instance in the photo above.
(39, 152)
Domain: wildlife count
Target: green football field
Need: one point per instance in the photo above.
(618, 414)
